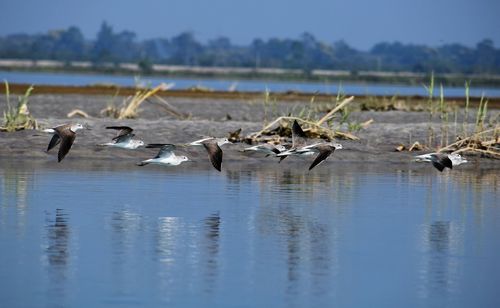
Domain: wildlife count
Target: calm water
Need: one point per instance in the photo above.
(342, 236)
(244, 85)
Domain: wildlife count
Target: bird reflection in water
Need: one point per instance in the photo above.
(309, 247)
(58, 235)
(440, 268)
(293, 242)
(125, 225)
(57, 254)
(211, 230)
(324, 262)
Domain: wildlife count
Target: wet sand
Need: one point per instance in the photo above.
(209, 117)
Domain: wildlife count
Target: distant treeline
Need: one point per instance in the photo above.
(306, 52)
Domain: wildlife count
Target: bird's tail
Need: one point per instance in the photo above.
(143, 163)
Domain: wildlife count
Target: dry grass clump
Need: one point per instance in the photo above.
(19, 117)
(486, 142)
(131, 104)
(393, 103)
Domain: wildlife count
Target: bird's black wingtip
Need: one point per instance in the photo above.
(158, 145)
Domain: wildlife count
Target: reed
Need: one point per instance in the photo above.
(481, 114)
(430, 109)
(466, 111)
(19, 117)
(270, 107)
(265, 103)
(443, 115)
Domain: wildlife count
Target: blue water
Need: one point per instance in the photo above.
(341, 236)
(241, 85)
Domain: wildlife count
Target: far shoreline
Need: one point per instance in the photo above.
(249, 73)
(374, 101)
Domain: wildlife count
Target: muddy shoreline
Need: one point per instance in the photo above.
(210, 116)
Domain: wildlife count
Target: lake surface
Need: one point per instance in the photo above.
(350, 88)
(344, 235)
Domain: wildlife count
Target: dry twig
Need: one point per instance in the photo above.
(78, 112)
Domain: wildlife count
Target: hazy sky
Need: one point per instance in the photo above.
(360, 23)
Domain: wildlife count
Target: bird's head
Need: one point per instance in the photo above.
(337, 146)
(222, 141)
(76, 127)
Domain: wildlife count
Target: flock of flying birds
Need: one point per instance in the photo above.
(65, 136)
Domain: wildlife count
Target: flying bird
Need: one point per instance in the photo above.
(212, 146)
(440, 161)
(220, 141)
(299, 139)
(165, 156)
(300, 147)
(65, 135)
(324, 150)
(266, 148)
(123, 138)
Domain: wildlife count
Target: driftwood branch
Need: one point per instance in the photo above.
(337, 108)
(494, 154)
(168, 108)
